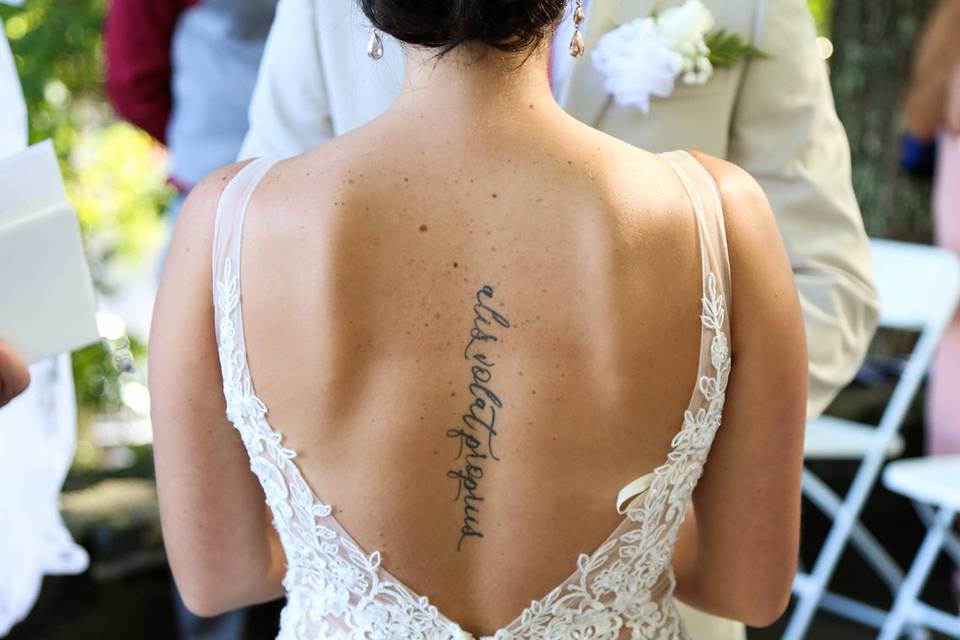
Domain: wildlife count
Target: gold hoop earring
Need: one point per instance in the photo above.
(576, 44)
(375, 45)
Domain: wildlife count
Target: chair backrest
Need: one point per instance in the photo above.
(918, 285)
(919, 289)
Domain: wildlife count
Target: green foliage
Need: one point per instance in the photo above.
(57, 47)
(115, 175)
(728, 48)
(117, 183)
(97, 375)
(821, 13)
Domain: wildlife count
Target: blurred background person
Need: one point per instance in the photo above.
(184, 71)
(932, 113)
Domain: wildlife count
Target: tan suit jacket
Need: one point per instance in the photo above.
(774, 117)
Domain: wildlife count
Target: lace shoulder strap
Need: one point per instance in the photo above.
(705, 196)
(708, 208)
(228, 228)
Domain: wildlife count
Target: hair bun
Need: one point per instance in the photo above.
(509, 25)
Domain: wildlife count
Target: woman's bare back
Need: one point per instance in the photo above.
(473, 352)
(476, 249)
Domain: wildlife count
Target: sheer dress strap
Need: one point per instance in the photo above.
(715, 262)
(228, 233)
(708, 207)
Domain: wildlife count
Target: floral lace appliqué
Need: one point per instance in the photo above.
(337, 590)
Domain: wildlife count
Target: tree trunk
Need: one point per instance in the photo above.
(874, 42)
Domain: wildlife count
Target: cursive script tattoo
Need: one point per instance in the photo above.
(478, 426)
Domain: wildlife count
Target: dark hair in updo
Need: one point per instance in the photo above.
(508, 25)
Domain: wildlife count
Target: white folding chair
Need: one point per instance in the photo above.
(919, 288)
(931, 483)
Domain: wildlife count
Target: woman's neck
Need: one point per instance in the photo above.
(475, 83)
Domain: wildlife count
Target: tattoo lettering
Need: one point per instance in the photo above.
(478, 426)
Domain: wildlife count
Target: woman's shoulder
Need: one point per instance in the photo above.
(751, 227)
(202, 202)
(760, 271)
(325, 175)
(191, 244)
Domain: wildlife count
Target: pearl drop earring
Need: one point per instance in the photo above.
(375, 45)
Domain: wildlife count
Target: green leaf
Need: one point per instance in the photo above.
(728, 48)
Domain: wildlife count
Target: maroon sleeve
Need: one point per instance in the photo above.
(137, 38)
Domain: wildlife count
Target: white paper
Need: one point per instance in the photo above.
(30, 182)
(47, 303)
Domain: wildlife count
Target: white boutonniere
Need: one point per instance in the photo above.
(645, 57)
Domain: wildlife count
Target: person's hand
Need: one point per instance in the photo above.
(14, 375)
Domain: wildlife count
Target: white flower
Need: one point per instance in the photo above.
(685, 25)
(684, 30)
(718, 350)
(699, 72)
(274, 486)
(644, 57)
(611, 579)
(636, 63)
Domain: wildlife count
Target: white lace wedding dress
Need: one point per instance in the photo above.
(623, 589)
